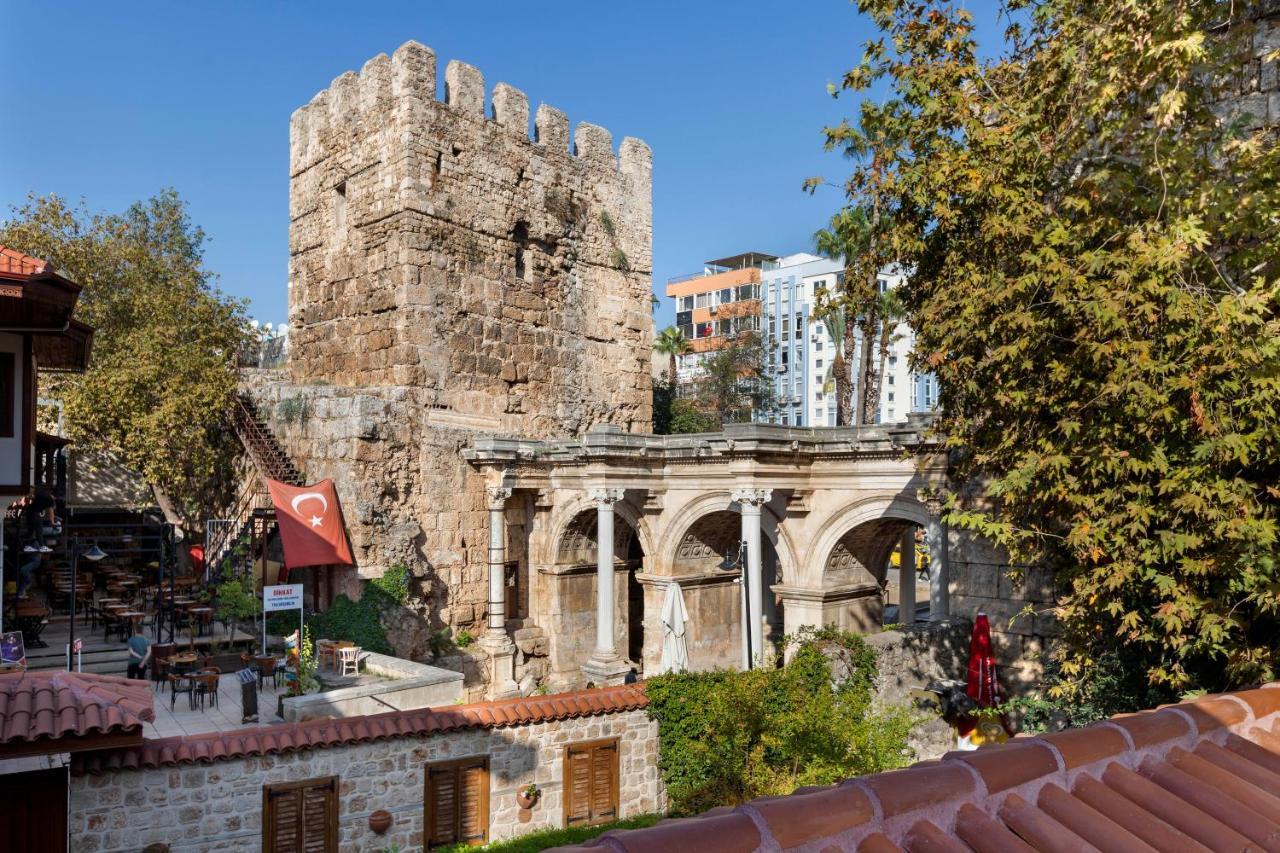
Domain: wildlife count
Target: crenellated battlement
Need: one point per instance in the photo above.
(409, 76)
(437, 243)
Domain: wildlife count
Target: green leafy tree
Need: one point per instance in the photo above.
(732, 383)
(671, 343)
(162, 369)
(1089, 220)
(687, 418)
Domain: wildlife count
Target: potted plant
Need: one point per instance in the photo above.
(527, 797)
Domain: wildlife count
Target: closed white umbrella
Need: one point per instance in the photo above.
(675, 651)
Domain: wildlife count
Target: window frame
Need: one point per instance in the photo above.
(567, 787)
(271, 789)
(428, 819)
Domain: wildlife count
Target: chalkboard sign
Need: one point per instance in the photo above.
(12, 651)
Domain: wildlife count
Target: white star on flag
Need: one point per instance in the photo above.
(316, 521)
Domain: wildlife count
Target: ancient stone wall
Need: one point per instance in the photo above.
(436, 246)
(218, 806)
(451, 276)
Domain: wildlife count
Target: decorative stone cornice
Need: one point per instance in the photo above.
(736, 441)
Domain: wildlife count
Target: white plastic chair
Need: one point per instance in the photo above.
(349, 656)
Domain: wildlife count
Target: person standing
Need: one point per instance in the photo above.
(139, 654)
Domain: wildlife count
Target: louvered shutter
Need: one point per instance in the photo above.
(283, 819)
(319, 818)
(577, 787)
(457, 802)
(604, 782)
(301, 817)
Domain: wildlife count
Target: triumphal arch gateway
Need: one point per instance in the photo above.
(469, 360)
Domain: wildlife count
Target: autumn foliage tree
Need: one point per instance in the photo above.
(1088, 213)
(162, 367)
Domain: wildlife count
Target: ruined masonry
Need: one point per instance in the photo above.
(452, 277)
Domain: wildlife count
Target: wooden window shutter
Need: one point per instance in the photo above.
(591, 783)
(457, 802)
(300, 817)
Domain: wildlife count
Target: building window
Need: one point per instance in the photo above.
(883, 285)
(705, 330)
(726, 296)
(890, 396)
(818, 329)
(785, 421)
(817, 345)
(819, 286)
(893, 361)
(786, 326)
(817, 365)
(700, 301)
(300, 816)
(457, 802)
(799, 417)
(686, 303)
(817, 395)
(590, 783)
(890, 379)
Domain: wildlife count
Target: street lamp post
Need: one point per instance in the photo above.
(93, 554)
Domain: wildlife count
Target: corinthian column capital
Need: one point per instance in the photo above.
(496, 497)
(752, 497)
(605, 497)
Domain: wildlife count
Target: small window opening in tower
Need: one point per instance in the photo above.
(520, 236)
(340, 208)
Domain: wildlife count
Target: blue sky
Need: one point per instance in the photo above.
(112, 102)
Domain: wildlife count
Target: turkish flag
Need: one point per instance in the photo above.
(311, 526)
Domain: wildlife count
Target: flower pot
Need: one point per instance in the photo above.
(380, 821)
(525, 801)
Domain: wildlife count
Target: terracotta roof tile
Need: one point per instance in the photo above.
(16, 263)
(36, 706)
(289, 737)
(1085, 746)
(1193, 777)
(800, 818)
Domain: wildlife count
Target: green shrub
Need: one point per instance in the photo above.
(360, 621)
(728, 737)
(543, 839)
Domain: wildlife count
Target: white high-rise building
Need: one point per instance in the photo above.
(801, 348)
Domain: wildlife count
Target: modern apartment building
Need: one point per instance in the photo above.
(722, 300)
(801, 347)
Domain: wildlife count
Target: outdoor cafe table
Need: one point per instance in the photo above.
(186, 582)
(182, 661)
(204, 614)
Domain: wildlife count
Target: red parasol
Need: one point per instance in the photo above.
(982, 686)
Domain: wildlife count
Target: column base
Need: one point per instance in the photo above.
(606, 673)
(502, 661)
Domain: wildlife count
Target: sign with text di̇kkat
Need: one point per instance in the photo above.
(282, 597)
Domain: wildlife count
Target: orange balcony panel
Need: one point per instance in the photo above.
(706, 344)
(705, 283)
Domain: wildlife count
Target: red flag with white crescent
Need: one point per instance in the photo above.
(312, 530)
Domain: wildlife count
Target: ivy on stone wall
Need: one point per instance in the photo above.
(359, 621)
(729, 737)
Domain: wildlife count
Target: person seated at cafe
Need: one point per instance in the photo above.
(139, 654)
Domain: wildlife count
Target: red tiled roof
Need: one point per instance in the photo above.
(1202, 775)
(312, 734)
(51, 707)
(14, 262)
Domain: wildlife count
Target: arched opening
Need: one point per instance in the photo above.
(860, 579)
(576, 554)
(706, 560)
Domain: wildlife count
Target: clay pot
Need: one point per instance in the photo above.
(524, 800)
(380, 821)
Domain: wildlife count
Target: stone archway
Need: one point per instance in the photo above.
(570, 579)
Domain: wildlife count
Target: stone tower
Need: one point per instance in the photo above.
(451, 276)
(436, 246)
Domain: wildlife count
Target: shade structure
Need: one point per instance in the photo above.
(675, 648)
(981, 684)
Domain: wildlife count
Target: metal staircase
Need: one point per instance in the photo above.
(253, 518)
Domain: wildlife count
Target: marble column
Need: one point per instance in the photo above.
(497, 505)
(907, 577)
(749, 503)
(605, 665)
(502, 652)
(935, 534)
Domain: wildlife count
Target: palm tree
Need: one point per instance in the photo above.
(838, 371)
(891, 311)
(671, 342)
(849, 235)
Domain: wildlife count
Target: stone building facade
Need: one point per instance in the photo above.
(452, 275)
(200, 796)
